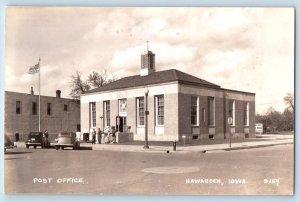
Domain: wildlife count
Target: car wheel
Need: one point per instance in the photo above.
(62, 148)
(57, 147)
(34, 147)
(27, 146)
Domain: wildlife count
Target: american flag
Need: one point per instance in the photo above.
(34, 69)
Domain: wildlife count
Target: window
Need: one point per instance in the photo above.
(203, 114)
(66, 108)
(93, 114)
(106, 113)
(122, 106)
(160, 110)
(49, 108)
(194, 111)
(246, 113)
(18, 107)
(34, 108)
(231, 112)
(211, 111)
(140, 111)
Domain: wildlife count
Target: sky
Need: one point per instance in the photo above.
(245, 49)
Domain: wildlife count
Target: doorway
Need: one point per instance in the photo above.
(121, 123)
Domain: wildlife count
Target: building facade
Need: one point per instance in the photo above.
(57, 114)
(181, 106)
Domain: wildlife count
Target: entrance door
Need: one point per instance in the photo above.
(121, 123)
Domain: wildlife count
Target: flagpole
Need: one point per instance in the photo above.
(39, 95)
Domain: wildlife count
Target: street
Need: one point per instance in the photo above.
(261, 171)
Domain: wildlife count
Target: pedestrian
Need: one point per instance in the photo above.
(99, 136)
(46, 134)
(17, 136)
(94, 137)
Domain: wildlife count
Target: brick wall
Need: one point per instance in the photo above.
(184, 114)
(131, 113)
(84, 108)
(171, 117)
(221, 128)
(203, 124)
(25, 122)
(252, 119)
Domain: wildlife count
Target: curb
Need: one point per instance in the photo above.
(167, 150)
(189, 151)
(248, 147)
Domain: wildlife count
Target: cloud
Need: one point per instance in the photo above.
(248, 49)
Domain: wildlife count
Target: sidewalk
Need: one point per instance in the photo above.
(268, 141)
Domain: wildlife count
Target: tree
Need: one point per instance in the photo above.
(78, 86)
(288, 119)
(95, 80)
(289, 100)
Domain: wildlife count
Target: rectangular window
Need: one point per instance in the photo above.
(34, 108)
(106, 113)
(194, 111)
(93, 114)
(231, 111)
(65, 108)
(246, 113)
(211, 111)
(18, 107)
(49, 109)
(203, 114)
(122, 107)
(160, 110)
(140, 111)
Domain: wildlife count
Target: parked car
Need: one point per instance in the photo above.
(8, 144)
(37, 139)
(67, 139)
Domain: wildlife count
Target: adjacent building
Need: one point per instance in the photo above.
(57, 114)
(180, 106)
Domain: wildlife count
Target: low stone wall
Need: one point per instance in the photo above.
(124, 137)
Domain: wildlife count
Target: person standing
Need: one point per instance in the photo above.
(99, 136)
(94, 137)
(17, 136)
(46, 134)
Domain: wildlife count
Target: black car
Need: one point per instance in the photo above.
(8, 144)
(37, 139)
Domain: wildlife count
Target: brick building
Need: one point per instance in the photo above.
(57, 114)
(180, 106)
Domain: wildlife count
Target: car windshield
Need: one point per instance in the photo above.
(34, 134)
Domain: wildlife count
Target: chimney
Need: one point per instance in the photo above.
(31, 91)
(58, 92)
(147, 62)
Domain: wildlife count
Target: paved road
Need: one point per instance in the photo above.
(267, 170)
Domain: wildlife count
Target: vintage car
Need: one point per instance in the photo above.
(37, 139)
(8, 144)
(67, 139)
